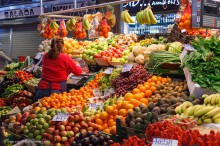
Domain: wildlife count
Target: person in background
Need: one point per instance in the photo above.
(56, 66)
(39, 54)
(4, 59)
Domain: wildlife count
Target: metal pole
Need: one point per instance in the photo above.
(74, 4)
(41, 7)
(11, 41)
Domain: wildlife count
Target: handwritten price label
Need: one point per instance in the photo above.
(127, 67)
(108, 70)
(60, 117)
(189, 47)
(164, 142)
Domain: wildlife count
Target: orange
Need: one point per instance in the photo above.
(104, 115)
(109, 109)
(148, 93)
(187, 23)
(168, 79)
(124, 104)
(146, 83)
(105, 126)
(159, 78)
(96, 116)
(113, 130)
(115, 112)
(158, 82)
(153, 89)
(128, 96)
(111, 116)
(136, 90)
(142, 88)
(152, 84)
(154, 78)
(100, 127)
(164, 80)
(111, 122)
(123, 112)
(129, 106)
(119, 103)
(138, 96)
(181, 25)
(107, 130)
(147, 87)
(135, 102)
(144, 100)
(99, 121)
(149, 80)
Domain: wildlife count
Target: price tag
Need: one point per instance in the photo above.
(94, 106)
(164, 142)
(189, 47)
(97, 93)
(60, 117)
(127, 67)
(109, 92)
(108, 70)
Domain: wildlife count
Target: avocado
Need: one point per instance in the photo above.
(148, 116)
(171, 112)
(181, 100)
(138, 120)
(154, 116)
(132, 124)
(144, 110)
(131, 114)
(150, 106)
(156, 110)
(138, 126)
(136, 109)
(139, 115)
(168, 101)
(163, 110)
(174, 100)
(177, 104)
(141, 106)
(127, 120)
(165, 105)
(170, 108)
(160, 102)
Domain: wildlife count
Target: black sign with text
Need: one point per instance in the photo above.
(158, 6)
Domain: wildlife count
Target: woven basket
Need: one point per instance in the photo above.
(30, 88)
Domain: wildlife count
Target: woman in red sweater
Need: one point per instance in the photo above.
(56, 67)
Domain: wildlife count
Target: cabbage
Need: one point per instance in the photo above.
(175, 47)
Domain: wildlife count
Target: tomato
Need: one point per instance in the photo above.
(97, 56)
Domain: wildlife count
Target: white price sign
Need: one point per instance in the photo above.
(60, 117)
(189, 47)
(108, 70)
(127, 67)
(94, 106)
(164, 142)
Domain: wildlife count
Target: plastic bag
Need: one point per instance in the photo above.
(92, 32)
(62, 32)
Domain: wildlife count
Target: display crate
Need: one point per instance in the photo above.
(195, 89)
(101, 62)
(30, 87)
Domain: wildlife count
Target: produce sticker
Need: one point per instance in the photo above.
(60, 117)
(127, 67)
(164, 142)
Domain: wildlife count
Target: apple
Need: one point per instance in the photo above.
(71, 139)
(63, 133)
(64, 123)
(50, 137)
(76, 130)
(57, 138)
(71, 124)
(47, 143)
(64, 139)
(57, 132)
(68, 128)
(58, 144)
(62, 128)
(50, 130)
(70, 134)
(76, 118)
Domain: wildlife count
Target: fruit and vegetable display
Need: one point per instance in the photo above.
(23, 76)
(203, 63)
(145, 16)
(12, 89)
(13, 66)
(7, 81)
(132, 140)
(2, 102)
(4, 110)
(33, 81)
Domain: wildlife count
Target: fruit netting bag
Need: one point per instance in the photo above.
(92, 32)
(62, 31)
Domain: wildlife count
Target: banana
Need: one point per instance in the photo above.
(185, 105)
(217, 120)
(141, 17)
(152, 18)
(177, 109)
(217, 99)
(207, 100)
(216, 116)
(86, 23)
(213, 112)
(203, 111)
(204, 95)
(123, 15)
(128, 17)
(191, 112)
(207, 121)
(52, 25)
(138, 17)
(199, 122)
(56, 25)
(72, 23)
(68, 26)
(147, 17)
(213, 99)
(187, 111)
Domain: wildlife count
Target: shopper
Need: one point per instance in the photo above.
(56, 67)
(4, 59)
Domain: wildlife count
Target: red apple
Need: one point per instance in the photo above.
(77, 125)
(62, 128)
(83, 130)
(57, 132)
(90, 129)
(76, 118)
(71, 124)
(71, 139)
(68, 128)
(50, 137)
(64, 123)
(63, 133)
(67, 144)
(58, 144)
(59, 123)
(50, 130)
(70, 133)
(64, 139)
(57, 138)
(76, 130)
(71, 118)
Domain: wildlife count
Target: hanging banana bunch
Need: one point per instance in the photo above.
(146, 16)
(125, 16)
(70, 24)
(54, 26)
(85, 22)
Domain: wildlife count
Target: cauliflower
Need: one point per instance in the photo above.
(137, 50)
(130, 57)
(139, 59)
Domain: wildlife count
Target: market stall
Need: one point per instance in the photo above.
(134, 90)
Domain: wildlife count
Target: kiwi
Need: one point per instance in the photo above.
(144, 110)
(156, 110)
(163, 110)
(137, 109)
(138, 120)
(160, 102)
(131, 114)
(150, 106)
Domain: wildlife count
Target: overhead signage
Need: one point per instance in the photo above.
(60, 7)
(157, 5)
(18, 13)
(205, 13)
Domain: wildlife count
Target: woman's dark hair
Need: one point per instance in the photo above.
(56, 48)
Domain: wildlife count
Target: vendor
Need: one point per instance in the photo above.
(4, 59)
(39, 54)
(56, 67)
